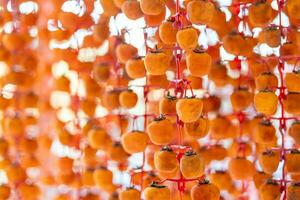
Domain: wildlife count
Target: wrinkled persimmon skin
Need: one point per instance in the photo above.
(167, 32)
(260, 178)
(266, 81)
(134, 141)
(207, 191)
(161, 131)
(260, 14)
(200, 12)
(132, 10)
(197, 129)
(291, 103)
(222, 180)
(165, 161)
(292, 162)
(135, 68)
(157, 193)
(128, 99)
(130, 194)
(192, 166)
(157, 63)
(293, 192)
(269, 161)
(294, 131)
(241, 99)
(198, 63)
(187, 38)
(189, 110)
(150, 7)
(241, 169)
(292, 81)
(266, 102)
(269, 191)
(265, 133)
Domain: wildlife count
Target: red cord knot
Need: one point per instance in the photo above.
(282, 124)
(241, 116)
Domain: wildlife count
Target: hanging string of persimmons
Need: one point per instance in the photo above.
(186, 119)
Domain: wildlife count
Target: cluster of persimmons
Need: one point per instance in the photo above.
(186, 120)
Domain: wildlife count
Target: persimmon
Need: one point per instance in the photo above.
(239, 149)
(29, 191)
(215, 152)
(197, 129)
(4, 191)
(205, 190)
(62, 84)
(233, 43)
(211, 104)
(291, 103)
(167, 105)
(125, 52)
(13, 41)
(260, 14)
(189, 109)
(161, 131)
(128, 99)
(14, 125)
(117, 153)
(218, 74)
(110, 99)
(200, 11)
(101, 30)
(241, 169)
(132, 9)
(158, 80)
(165, 160)
(130, 194)
(167, 32)
(187, 38)
(157, 192)
(294, 131)
(265, 132)
(103, 178)
(134, 141)
(135, 68)
(222, 180)
(155, 20)
(288, 49)
(269, 190)
(98, 138)
(269, 161)
(273, 37)
(4, 147)
(191, 165)
(219, 127)
(292, 81)
(152, 7)
(101, 72)
(198, 63)
(240, 99)
(157, 62)
(292, 162)
(88, 106)
(15, 173)
(293, 9)
(90, 196)
(195, 82)
(266, 81)
(266, 102)
(110, 9)
(260, 178)
(293, 191)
